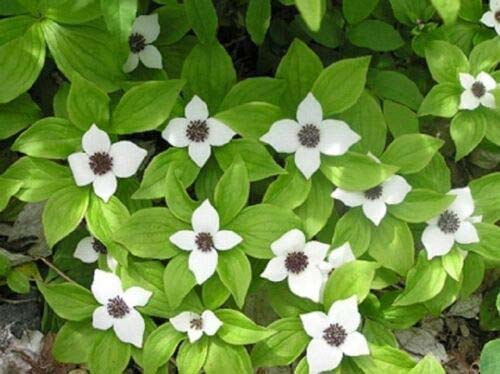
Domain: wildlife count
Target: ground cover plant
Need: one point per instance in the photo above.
(301, 186)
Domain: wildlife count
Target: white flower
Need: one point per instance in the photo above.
(453, 225)
(492, 17)
(88, 250)
(197, 131)
(334, 335)
(117, 308)
(310, 135)
(204, 241)
(101, 162)
(196, 325)
(337, 257)
(477, 91)
(374, 200)
(299, 261)
(145, 31)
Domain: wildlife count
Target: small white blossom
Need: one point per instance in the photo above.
(101, 162)
(88, 250)
(117, 308)
(145, 31)
(455, 224)
(310, 136)
(492, 17)
(337, 257)
(204, 241)
(477, 91)
(299, 262)
(197, 131)
(196, 325)
(334, 335)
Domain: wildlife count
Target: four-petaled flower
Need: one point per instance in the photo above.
(88, 250)
(477, 91)
(492, 17)
(337, 257)
(117, 308)
(101, 162)
(145, 31)
(455, 224)
(204, 241)
(197, 131)
(310, 136)
(196, 325)
(334, 335)
(300, 262)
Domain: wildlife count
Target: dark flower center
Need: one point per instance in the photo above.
(196, 323)
(449, 222)
(374, 193)
(117, 308)
(296, 262)
(497, 16)
(197, 131)
(204, 241)
(99, 247)
(100, 163)
(309, 136)
(478, 89)
(334, 335)
(137, 42)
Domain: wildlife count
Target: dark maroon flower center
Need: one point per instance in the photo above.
(117, 308)
(334, 335)
(478, 89)
(449, 222)
(204, 241)
(137, 42)
(99, 247)
(296, 262)
(497, 15)
(374, 193)
(309, 136)
(196, 323)
(197, 131)
(101, 163)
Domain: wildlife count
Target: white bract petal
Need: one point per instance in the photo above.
(315, 251)
(182, 321)
(488, 100)
(336, 137)
(309, 111)
(307, 160)
(175, 132)
(322, 357)
(105, 186)
(466, 234)
(488, 19)
(395, 189)
(374, 210)
(150, 56)
(194, 335)
(466, 80)
(205, 219)
(95, 140)
(307, 283)
(436, 242)
(130, 328)
(226, 239)
(341, 255)
(137, 296)
(468, 101)
(199, 153)
(196, 109)
(487, 80)
(203, 264)
(80, 167)
(463, 205)
(314, 323)
(101, 319)
(355, 345)
(345, 313)
(218, 133)
(105, 286)
(127, 157)
(283, 136)
(275, 270)
(349, 198)
(184, 239)
(291, 240)
(211, 324)
(131, 63)
(147, 26)
(85, 251)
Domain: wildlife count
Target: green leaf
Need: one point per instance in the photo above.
(251, 120)
(14, 27)
(353, 228)
(87, 104)
(232, 191)
(357, 10)
(179, 202)
(160, 346)
(258, 19)
(385, 359)
(400, 119)
(299, 68)
(225, 358)
(214, 293)
(472, 273)
(207, 180)
(283, 347)
(74, 201)
(312, 11)
(352, 278)
(119, 16)
(146, 233)
(467, 130)
(375, 35)
(71, 12)
(441, 101)
(261, 89)
(435, 176)
(428, 365)
(411, 152)
(21, 60)
(74, 342)
(260, 225)
(192, 357)
(420, 205)
(84, 50)
(69, 301)
(145, 106)
(17, 115)
(486, 198)
(18, 281)
(8, 188)
(177, 273)
(445, 61)
(203, 18)
(453, 263)
(471, 10)
(397, 87)
(447, 9)
(329, 34)
(489, 236)
(4, 265)
(377, 333)
(285, 303)
(235, 273)
(50, 137)
(424, 281)
(340, 85)
(209, 73)
(109, 355)
(355, 171)
(258, 161)
(490, 361)
(485, 56)
(238, 329)
(174, 25)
